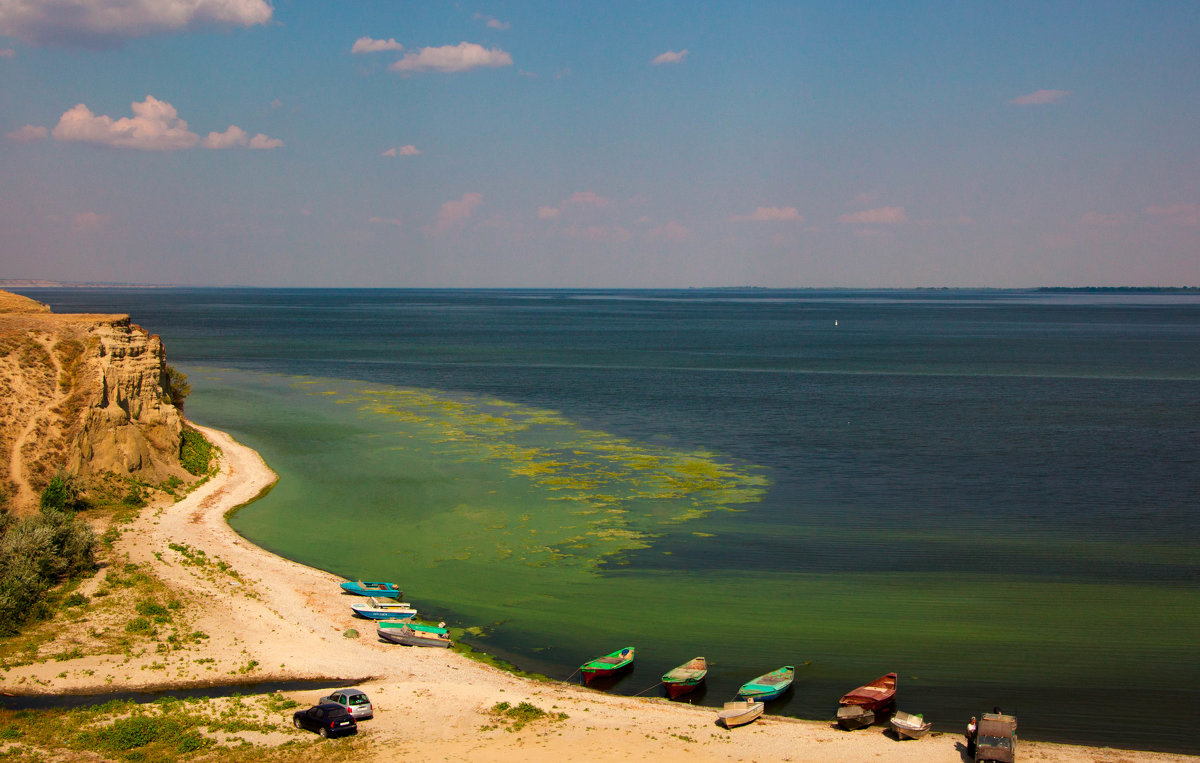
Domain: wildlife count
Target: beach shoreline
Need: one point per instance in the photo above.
(270, 619)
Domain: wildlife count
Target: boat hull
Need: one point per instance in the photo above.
(909, 726)
(854, 717)
(685, 678)
(409, 637)
(880, 694)
(608, 665)
(768, 686)
(675, 690)
(385, 614)
(739, 713)
(370, 588)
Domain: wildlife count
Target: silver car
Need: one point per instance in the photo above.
(355, 702)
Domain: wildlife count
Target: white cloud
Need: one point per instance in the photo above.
(368, 45)
(387, 221)
(883, 215)
(452, 58)
(1177, 214)
(492, 23)
(454, 214)
(670, 57)
(548, 213)
(264, 143)
(87, 220)
(1040, 97)
(409, 150)
(7, 53)
(101, 22)
(28, 134)
(1099, 219)
(671, 231)
(154, 126)
(770, 214)
(589, 198)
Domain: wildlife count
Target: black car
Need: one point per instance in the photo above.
(326, 719)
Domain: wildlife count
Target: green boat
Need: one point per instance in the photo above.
(607, 665)
(769, 685)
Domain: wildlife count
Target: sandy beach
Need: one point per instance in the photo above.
(278, 620)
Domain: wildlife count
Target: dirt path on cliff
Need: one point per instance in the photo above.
(16, 466)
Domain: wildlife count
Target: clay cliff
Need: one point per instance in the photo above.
(82, 393)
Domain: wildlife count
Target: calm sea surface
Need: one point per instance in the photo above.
(994, 493)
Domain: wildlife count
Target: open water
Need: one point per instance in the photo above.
(993, 493)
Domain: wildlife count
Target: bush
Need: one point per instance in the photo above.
(62, 493)
(195, 452)
(178, 387)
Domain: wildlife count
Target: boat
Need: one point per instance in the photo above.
(910, 726)
(877, 695)
(739, 713)
(854, 717)
(383, 609)
(397, 624)
(607, 665)
(686, 677)
(367, 588)
(769, 685)
(410, 636)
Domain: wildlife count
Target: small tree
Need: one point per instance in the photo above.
(62, 494)
(177, 387)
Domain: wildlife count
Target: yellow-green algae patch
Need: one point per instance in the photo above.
(565, 494)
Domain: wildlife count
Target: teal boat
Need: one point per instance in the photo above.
(607, 665)
(769, 685)
(440, 630)
(370, 588)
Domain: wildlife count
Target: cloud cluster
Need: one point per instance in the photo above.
(670, 57)
(28, 134)
(881, 216)
(106, 22)
(492, 23)
(409, 150)
(452, 58)
(454, 214)
(369, 45)
(770, 214)
(1040, 97)
(154, 126)
(1177, 214)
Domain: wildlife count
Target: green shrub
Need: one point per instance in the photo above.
(178, 387)
(195, 452)
(62, 493)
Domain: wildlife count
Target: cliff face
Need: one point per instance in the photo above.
(85, 393)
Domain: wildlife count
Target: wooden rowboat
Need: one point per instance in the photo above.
(876, 695)
(854, 717)
(769, 685)
(686, 677)
(385, 590)
(607, 665)
(910, 726)
(739, 713)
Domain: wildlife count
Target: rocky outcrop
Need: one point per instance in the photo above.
(85, 393)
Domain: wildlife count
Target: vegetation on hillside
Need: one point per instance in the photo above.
(178, 387)
(40, 552)
(196, 453)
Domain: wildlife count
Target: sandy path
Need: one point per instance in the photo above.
(432, 704)
(16, 467)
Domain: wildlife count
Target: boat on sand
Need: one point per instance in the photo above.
(686, 677)
(409, 636)
(374, 608)
(909, 725)
(369, 588)
(854, 717)
(739, 713)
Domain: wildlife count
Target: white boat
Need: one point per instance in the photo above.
(910, 726)
(739, 713)
(383, 609)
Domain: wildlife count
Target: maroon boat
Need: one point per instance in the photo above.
(877, 695)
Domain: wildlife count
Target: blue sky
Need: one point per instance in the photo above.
(625, 144)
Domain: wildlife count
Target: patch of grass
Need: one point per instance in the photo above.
(196, 453)
(516, 718)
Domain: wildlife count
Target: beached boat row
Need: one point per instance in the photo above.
(858, 708)
(395, 619)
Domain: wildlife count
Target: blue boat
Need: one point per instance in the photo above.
(383, 590)
(769, 685)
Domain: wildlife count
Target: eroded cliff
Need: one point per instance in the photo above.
(85, 393)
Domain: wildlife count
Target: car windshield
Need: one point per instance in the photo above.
(358, 699)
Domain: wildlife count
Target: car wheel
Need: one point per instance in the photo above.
(324, 732)
(296, 723)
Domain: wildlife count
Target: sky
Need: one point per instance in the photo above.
(396, 143)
